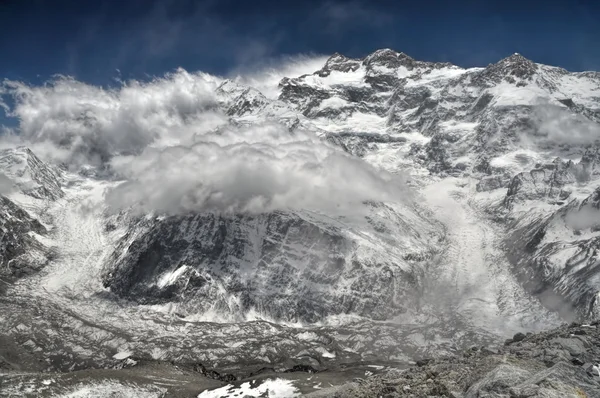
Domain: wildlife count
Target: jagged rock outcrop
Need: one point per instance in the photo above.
(359, 144)
(246, 105)
(553, 182)
(546, 183)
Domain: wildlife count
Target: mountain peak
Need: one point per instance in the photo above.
(339, 62)
(386, 52)
(387, 57)
(515, 58)
(338, 58)
(511, 67)
(231, 88)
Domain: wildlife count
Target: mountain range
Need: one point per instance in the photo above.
(374, 212)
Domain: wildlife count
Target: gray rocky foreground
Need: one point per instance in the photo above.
(559, 363)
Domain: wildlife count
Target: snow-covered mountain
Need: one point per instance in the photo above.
(491, 227)
(524, 133)
(525, 129)
(456, 119)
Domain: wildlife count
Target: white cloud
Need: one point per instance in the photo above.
(560, 126)
(255, 169)
(6, 184)
(177, 152)
(3, 104)
(87, 124)
(266, 76)
(583, 218)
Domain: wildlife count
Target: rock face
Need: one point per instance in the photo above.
(246, 105)
(20, 252)
(21, 249)
(553, 233)
(556, 255)
(30, 175)
(558, 363)
(291, 266)
(553, 182)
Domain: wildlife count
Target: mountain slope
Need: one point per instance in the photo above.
(525, 128)
(289, 266)
(21, 251)
(31, 175)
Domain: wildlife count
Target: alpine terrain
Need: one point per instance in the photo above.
(374, 227)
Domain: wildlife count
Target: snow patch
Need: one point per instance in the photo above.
(114, 389)
(307, 336)
(507, 94)
(350, 78)
(170, 277)
(459, 126)
(122, 355)
(324, 353)
(517, 161)
(277, 388)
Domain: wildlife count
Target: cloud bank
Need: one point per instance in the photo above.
(176, 151)
(561, 126)
(265, 76)
(255, 169)
(85, 124)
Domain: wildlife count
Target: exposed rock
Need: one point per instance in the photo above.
(513, 372)
(21, 253)
(491, 183)
(293, 266)
(518, 337)
(544, 183)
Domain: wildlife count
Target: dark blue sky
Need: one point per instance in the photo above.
(91, 39)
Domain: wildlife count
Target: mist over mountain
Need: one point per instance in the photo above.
(344, 216)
